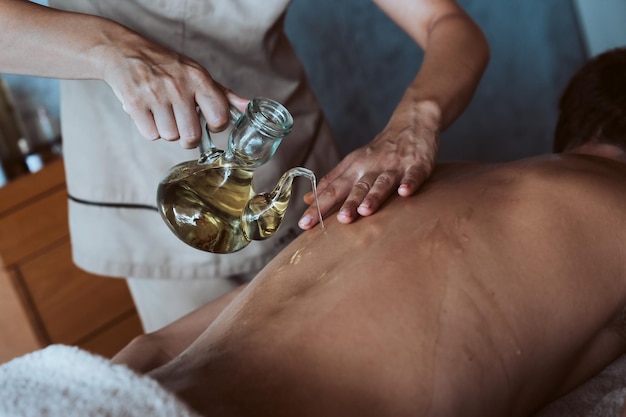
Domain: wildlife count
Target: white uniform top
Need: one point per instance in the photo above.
(113, 172)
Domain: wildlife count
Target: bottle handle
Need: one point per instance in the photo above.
(208, 150)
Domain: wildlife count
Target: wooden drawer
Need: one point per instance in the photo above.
(21, 191)
(44, 297)
(17, 330)
(34, 227)
(71, 303)
(112, 339)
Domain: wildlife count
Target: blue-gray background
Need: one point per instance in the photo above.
(359, 63)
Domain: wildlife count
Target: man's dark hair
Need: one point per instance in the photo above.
(593, 106)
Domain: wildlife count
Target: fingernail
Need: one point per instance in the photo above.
(305, 221)
(404, 190)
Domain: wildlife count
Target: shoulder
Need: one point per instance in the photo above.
(575, 176)
(545, 192)
(553, 172)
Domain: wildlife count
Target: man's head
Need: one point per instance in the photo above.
(593, 107)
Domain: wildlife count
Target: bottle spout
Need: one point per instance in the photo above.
(264, 212)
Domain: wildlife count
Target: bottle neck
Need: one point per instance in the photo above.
(258, 132)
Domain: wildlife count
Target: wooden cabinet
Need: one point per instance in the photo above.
(44, 297)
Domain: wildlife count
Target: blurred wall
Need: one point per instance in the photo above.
(360, 63)
(603, 24)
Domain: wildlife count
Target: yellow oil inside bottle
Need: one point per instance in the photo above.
(203, 208)
(214, 207)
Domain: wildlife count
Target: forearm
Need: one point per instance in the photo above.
(42, 41)
(456, 55)
(149, 351)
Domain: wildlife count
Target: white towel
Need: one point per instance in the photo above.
(65, 381)
(601, 396)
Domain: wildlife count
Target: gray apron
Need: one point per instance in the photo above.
(113, 172)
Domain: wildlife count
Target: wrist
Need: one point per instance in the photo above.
(422, 114)
(114, 47)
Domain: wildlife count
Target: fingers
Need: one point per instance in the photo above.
(169, 122)
(144, 120)
(366, 203)
(362, 196)
(188, 125)
(355, 198)
(165, 122)
(327, 198)
(413, 178)
(237, 101)
(367, 195)
(181, 121)
(162, 98)
(214, 106)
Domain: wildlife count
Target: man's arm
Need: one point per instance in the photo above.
(149, 351)
(158, 88)
(402, 156)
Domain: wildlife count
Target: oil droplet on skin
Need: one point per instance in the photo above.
(295, 258)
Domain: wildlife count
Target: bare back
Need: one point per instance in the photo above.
(492, 291)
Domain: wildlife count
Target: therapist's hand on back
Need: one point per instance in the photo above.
(399, 159)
